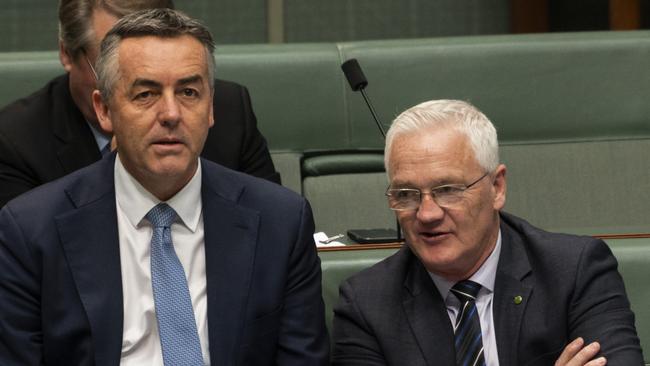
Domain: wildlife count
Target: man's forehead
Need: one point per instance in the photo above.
(435, 156)
(431, 144)
(171, 57)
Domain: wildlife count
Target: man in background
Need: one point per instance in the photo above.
(154, 256)
(55, 131)
(474, 285)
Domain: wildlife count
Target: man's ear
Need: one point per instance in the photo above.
(102, 112)
(65, 57)
(499, 187)
(211, 118)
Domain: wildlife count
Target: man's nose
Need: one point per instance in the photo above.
(429, 210)
(170, 110)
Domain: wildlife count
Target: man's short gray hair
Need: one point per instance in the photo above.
(165, 23)
(451, 114)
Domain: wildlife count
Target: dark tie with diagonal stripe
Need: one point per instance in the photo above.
(467, 331)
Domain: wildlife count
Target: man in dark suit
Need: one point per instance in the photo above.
(54, 131)
(154, 256)
(473, 285)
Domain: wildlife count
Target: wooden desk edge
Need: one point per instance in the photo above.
(398, 245)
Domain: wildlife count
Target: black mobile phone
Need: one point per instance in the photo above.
(373, 236)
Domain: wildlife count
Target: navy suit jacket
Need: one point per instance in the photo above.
(44, 137)
(393, 314)
(60, 278)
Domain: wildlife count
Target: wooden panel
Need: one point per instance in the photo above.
(275, 20)
(624, 14)
(529, 16)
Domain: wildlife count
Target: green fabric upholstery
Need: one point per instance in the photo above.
(586, 187)
(286, 162)
(341, 163)
(633, 255)
(634, 264)
(543, 87)
(296, 92)
(22, 73)
(338, 266)
(348, 201)
(346, 191)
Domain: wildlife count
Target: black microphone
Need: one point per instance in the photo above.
(358, 82)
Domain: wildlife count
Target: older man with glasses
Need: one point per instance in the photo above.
(474, 285)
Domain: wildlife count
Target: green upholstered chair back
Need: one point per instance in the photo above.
(634, 264)
(22, 73)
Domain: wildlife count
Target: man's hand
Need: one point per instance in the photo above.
(577, 354)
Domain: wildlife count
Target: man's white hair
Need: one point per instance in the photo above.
(449, 114)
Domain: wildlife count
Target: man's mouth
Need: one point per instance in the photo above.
(168, 141)
(432, 235)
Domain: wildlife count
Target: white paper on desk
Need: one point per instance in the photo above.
(321, 236)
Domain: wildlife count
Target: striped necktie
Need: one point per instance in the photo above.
(467, 330)
(179, 338)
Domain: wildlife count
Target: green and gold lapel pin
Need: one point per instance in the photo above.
(518, 299)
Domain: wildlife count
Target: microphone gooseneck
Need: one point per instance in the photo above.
(358, 82)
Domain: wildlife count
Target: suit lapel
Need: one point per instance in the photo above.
(76, 147)
(511, 295)
(230, 242)
(90, 241)
(427, 315)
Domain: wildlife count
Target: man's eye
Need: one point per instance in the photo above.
(188, 92)
(143, 95)
(406, 194)
(447, 191)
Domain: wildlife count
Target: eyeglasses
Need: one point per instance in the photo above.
(90, 64)
(405, 199)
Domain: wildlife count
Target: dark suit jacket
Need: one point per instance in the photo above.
(392, 313)
(44, 137)
(61, 287)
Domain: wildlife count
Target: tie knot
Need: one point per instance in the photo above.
(466, 290)
(161, 215)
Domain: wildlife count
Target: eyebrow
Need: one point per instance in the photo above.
(146, 83)
(189, 80)
(154, 84)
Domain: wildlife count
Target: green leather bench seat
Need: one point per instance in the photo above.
(633, 255)
(634, 264)
(22, 73)
(346, 190)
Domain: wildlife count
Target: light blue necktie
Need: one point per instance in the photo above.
(467, 331)
(179, 338)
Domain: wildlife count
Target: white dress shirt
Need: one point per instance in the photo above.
(140, 338)
(484, 276)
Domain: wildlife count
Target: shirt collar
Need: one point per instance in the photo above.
(135, 201)
(100, 139)
(485, 275)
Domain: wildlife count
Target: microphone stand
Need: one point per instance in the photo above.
(358, 82)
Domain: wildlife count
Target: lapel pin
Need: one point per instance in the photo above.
(518, 299)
